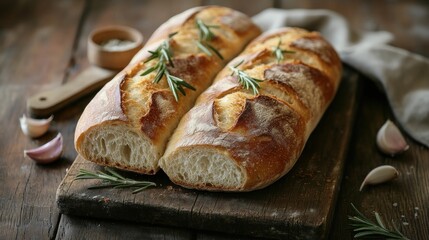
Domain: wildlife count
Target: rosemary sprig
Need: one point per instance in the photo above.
(279, 53)
(205, 36)
(113, 179)
(245, 80)
(163, 54)
(363, 227)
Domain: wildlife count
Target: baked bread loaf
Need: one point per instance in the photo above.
(129, 121)
(233, 140)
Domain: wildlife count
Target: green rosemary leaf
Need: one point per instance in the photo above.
(205, 33)
(205, 36)
(106, 177)
(238, 64)
(287, 51)
(204, 48)
(358, 220)
(114, 173)
(185, 84)
(123, 185)
(153, 56)
(180, 88)
(397, 231)
(379, 221)
(79, 177)
(369, 228)
(366, 233)
(149, 70)
(178, 84)
(140, 189)
(215, 51)
(100, 186)
(85, 175)
(279, 53)
(212, 26)
(164, 55)
(112, 179)
(245, 80)
(172, 86)
(160, 72)
(361, 216)
(172, 34)
(363, 227)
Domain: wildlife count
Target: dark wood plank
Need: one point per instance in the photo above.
(205, 235)
(36, 42)
(300, 205)
(391, 200)
(249, 7)
(408, 21)
(93, 229)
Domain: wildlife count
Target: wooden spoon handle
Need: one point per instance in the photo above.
(46, 102)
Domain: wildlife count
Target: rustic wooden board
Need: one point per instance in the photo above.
(71, 228)
(298, 206)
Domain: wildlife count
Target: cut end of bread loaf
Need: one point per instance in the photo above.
(118, 146)
(204, 168)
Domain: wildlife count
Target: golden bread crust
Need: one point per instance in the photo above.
(149, 109)
(265, 134)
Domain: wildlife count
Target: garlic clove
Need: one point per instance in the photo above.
(380, 174)
(35, 127)
(390, 140)
(48, 152)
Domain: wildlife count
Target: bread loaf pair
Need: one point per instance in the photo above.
(128, 123)
(233, 140)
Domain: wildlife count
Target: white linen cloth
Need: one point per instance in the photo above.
(403, 75)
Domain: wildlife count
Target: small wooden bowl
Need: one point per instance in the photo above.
(111, 58)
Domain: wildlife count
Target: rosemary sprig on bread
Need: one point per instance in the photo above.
(113, 179)
(205, 36)
(279, 53)
(245, 80)
(164, 54)
(151, 111)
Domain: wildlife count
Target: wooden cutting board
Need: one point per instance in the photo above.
(298, 206)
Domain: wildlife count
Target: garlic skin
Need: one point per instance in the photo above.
(390, 140)
(35, 127)
(380, 174)
(48, 152)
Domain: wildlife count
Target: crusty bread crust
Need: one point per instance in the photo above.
(147, 111)
(260, 137)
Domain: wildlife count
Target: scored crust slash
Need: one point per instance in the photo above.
(245, 131)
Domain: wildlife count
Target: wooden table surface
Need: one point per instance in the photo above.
(43, 45)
